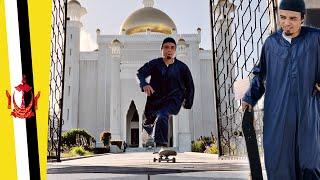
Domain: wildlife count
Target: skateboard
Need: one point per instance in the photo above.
(164, 155)
(252, 145)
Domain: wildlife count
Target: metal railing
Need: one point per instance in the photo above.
(239, 28)
(58, 41)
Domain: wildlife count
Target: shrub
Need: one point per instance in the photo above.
(205, 144)
(197, 146)
(207, 141)
(77, 137)
(212, 149)
(79, 151)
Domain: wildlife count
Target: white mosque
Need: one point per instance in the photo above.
(100, 87)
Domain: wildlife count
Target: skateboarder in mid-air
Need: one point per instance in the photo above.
(289, 75)
(170, 87)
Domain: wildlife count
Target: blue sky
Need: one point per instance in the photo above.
(108, 15)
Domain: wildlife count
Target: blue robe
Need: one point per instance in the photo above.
(287, 74)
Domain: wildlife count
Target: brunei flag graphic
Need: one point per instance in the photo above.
(25, 28)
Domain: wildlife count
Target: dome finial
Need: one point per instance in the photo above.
(75, 10)
(148, 3)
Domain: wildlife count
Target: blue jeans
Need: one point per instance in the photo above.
(160, 125)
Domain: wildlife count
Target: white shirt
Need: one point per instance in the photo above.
(286, 37)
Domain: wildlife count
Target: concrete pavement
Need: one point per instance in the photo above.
(140, 165)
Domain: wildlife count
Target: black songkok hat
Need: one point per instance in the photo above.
(293, 5)
(168, 39)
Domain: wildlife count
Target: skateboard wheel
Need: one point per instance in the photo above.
(154, 160)
(173, 160)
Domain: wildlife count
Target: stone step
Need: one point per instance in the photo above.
(130, 149)
(144, 149)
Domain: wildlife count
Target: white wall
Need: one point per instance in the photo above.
(88, 98)
(209, 123)
(71, 78)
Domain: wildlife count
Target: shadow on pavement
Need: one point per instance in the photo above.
(185, 168)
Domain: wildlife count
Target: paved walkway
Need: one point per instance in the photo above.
(140, 165)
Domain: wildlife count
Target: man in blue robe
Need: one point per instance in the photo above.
(170, 87)
(289, 75)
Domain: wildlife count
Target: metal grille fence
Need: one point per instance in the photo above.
(58, 38)
(239, 28)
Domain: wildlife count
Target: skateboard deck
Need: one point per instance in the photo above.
(165, 155)
(252, 145)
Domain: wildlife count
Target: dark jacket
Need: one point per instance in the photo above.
(173, 85)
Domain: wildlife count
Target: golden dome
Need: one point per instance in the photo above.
(148, 18)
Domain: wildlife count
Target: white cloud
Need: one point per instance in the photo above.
(87, 43)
